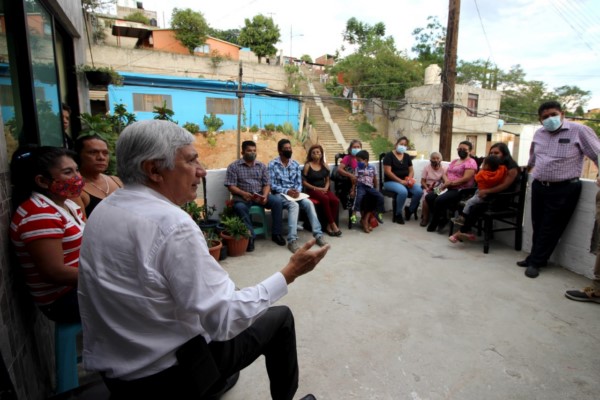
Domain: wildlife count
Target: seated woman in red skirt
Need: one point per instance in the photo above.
(315, 179)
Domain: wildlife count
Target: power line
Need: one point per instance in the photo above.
(484, 33)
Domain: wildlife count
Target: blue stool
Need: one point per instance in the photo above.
(65, 355)
(263, 228)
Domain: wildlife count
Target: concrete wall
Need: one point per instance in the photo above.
(155, 62)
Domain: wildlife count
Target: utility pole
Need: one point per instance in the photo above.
(449, 80)
(240, 96)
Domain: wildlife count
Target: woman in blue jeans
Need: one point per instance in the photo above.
(399, 178)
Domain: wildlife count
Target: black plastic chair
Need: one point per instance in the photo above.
(343, 185)
(507, 208)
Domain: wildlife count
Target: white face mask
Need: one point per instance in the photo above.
(401, 149)
(552, 123)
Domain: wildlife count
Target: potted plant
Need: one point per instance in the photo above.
(214, 244)
(101, 76)
(236, 235)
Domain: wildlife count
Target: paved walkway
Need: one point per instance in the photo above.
(404, 314)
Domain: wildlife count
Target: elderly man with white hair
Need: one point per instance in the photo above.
(161, 319)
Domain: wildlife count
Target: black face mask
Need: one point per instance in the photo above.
(286, 153)
(249, 157)
(435, 163)
(463, 154)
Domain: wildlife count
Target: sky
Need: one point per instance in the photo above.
(554, 41)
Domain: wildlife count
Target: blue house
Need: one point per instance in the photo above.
(192, 99)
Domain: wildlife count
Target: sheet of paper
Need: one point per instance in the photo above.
(301, 196)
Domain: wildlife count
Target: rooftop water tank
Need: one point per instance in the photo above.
(433, 75)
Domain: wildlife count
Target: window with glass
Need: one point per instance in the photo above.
(472, 104)
(43, 62)
(221, 106)
(147, 102)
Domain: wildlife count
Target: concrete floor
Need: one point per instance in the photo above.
(401, 313)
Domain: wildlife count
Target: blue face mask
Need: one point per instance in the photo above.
(354, 151)
(361, 165)
(401, 149)
(552, 123)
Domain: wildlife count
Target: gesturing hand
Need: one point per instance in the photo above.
(303, 261)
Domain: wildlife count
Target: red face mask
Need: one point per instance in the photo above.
(69, 188)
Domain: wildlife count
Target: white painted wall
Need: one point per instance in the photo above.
(572, 252)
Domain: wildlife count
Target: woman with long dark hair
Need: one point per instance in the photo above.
(47, 227)
(315, 179)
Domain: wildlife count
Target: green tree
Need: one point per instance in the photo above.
(430, 42)
(306, 58)
(260, 34)
(572, 97)
(138, 16)
(228, 35)
(190, 27)
(595, 125)
(378, 70)
(361, 33)
(521, 104)
(479, 73)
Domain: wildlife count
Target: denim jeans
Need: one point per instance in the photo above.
(293, 208)
(242, 208)
(402, 193)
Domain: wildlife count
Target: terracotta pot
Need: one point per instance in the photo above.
(215, 249)
(235, 247)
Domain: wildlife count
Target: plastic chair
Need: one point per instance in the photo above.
(263, 228)
(65, 355)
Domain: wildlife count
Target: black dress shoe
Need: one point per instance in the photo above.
(250, 247)
(523, 263)
(309, 397)
(532, 272)
(279, 240)
(398, 219)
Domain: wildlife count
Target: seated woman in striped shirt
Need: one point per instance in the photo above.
(47, 227)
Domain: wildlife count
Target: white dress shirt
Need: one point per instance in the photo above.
(147, 284)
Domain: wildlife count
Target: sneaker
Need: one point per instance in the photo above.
(379, 217)
(460, 220)
(587, 294)
(293, 246)
(353, 219)
(321, 242)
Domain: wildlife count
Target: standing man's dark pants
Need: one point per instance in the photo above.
(551, 209)
(242, 208)
(272, 335)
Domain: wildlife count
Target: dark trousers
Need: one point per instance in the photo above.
(362, 191)
(439, 206)
(65, 309)
(242, 208)
(272, 335)
(551, 210)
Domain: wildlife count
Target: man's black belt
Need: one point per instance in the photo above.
(559, 183)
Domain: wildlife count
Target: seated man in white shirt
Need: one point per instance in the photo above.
(161, 319)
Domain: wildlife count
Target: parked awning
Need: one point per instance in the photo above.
(98, 95)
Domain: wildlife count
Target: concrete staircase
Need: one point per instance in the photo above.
(332, 123)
